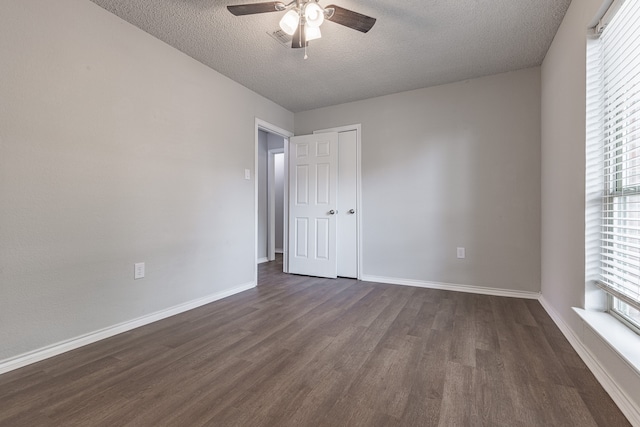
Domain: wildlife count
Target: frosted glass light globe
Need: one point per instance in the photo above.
(289, 22)
(313, 14)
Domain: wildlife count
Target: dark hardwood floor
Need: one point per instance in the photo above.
(302, 351)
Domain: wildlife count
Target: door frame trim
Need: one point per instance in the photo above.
(286, 134)
(358, 128)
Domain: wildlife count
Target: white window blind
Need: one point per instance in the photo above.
(620, 224)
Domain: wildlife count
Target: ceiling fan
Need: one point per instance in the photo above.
(304, 18)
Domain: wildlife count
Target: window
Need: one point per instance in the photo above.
(625, 313)
(617, 59)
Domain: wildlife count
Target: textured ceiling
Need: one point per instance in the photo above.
(414, 44)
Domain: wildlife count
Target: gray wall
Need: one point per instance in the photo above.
(563, 191)
(277, 142)
(263, 208)
(274, 141)
(279, 196)
(563, 162)
(115, 148)
(448, 166)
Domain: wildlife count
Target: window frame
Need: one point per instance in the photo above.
(619, 315)
(618, 121)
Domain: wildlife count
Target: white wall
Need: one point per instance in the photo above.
(448, 166)
(563, 193)
(115, 148)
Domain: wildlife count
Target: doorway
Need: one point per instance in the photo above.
(354, 130)
(270, 147)
(270, 179)
(275, 202)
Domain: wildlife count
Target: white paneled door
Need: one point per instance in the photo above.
(313, 188)
(347, 199)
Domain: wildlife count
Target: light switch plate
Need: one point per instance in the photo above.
(247, 174)
(461, 253)
(138, 270)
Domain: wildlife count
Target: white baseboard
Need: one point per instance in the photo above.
(82, 340)
(279, 251)
(452, 287)
(263, 260)
(620, 398)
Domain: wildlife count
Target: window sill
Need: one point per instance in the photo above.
(619, 337)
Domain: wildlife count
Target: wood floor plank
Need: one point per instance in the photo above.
(494, 394)
(304, 351)
(459, 387)
(486, 335)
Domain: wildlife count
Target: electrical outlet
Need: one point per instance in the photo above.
(138, 270)
(460, 253)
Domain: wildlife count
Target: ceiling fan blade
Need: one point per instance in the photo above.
(250, 9)
(351, 19)
(299, 37)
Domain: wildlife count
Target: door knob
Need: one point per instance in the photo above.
(332, 212)
(352, 211)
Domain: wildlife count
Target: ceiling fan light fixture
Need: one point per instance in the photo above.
(303, 19)
(313, 14)
(312, 33)
(289, 22)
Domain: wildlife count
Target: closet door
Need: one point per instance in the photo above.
(347, 198)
